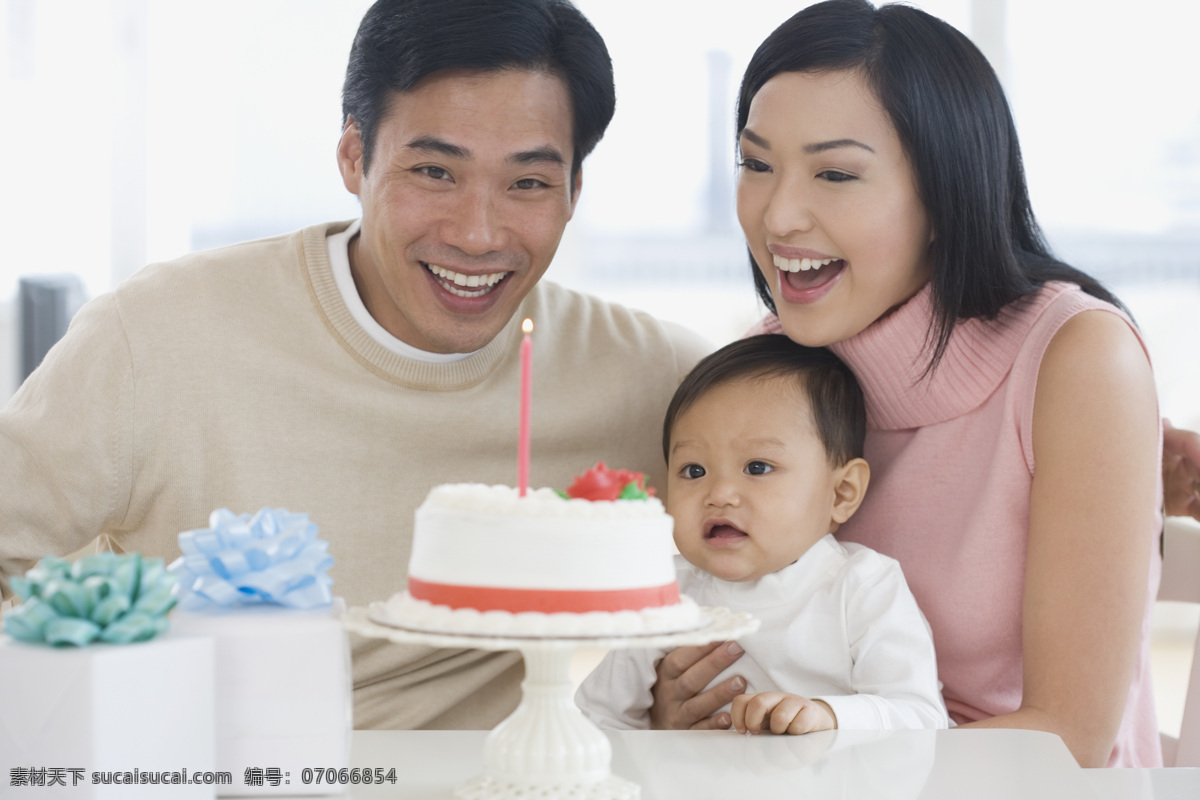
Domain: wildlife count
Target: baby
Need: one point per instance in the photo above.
(763, 442)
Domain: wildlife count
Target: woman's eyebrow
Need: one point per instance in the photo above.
(811, 149)
(755, 139)
(834, 144)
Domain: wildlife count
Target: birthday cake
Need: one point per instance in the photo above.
(487, 561)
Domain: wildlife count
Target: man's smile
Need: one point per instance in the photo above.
(463, 285)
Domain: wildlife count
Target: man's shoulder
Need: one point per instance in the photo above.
(233, 268)
(590, 323)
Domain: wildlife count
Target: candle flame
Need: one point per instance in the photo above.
(527, 326)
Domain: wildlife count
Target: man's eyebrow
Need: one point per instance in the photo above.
(433, 144)
(538, 155)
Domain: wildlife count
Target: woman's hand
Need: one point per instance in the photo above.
(780, 712)
(1181, 472)
(680, 701)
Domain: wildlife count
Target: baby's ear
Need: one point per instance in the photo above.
(849, 488)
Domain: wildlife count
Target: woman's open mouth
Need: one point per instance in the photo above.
(806, 280)
(805, 274)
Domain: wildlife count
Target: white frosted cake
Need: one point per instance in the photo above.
(487, 561)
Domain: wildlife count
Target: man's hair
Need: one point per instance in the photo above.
(833, 394)
(401, 42)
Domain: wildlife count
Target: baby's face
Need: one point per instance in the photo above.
(748, 482)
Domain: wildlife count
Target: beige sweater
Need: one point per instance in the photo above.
(238, 379)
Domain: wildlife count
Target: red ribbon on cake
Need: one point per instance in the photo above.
(546, 601)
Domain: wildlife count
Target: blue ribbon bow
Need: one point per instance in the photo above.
(273, 557)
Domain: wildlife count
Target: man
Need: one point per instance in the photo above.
(346, 369)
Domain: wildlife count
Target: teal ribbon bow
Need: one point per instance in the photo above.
(105, 597)
(273, 557)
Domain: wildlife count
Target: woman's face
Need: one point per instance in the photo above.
(829, 205)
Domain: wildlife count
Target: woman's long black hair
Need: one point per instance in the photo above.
(953, 121)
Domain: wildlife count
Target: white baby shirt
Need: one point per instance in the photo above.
(839, 624)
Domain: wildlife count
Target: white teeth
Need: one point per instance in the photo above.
(450, 280)
(800, 264)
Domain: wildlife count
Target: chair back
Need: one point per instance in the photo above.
(1181, 583)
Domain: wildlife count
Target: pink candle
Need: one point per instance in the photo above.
(526, 389)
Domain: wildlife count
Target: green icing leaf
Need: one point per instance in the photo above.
(632, 492)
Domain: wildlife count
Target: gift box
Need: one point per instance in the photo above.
(283, 694)
(107, 721)
(259, 586)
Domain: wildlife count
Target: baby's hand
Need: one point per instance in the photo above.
(782, 713)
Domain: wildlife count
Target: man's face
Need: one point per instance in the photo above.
(467, 195)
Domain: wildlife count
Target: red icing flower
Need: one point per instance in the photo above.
(602, 483)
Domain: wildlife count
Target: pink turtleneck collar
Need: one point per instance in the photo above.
(889, 358)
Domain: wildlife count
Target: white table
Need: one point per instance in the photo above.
(835, 765)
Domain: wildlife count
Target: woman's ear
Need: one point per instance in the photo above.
(849, 488)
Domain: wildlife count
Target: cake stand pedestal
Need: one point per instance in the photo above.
(547, 748)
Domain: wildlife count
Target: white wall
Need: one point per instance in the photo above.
(8, 350)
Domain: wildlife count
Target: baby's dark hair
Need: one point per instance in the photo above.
(833, 393)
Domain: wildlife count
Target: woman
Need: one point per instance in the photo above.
(1014, 435)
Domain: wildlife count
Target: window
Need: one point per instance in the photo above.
(136, 130)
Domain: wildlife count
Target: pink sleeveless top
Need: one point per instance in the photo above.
(959, 526)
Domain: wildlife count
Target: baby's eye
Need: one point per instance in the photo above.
(758, 468)
(692, 471)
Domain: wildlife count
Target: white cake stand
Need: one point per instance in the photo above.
(547, 748)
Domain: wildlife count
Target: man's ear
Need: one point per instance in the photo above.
(576, 188)
(849, 488)
(350, 156)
